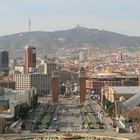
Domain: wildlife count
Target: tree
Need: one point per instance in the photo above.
(24, 109)
(2, 122)
(134, 116)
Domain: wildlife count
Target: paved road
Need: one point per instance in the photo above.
(70, 119)
(107, 120)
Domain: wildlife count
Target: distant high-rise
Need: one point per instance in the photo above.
(30, 58)
(4, 62)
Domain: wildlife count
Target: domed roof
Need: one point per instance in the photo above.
(122, 99)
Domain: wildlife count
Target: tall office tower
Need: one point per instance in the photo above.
(30, 59)
(49, 68)
(82, 82)
(55, 86)
(4, 62)
(46, 67)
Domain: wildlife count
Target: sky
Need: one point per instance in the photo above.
(121, 16)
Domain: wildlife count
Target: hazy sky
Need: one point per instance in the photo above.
(122, 16)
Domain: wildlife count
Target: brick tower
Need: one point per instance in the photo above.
(82, 82)
(55, 86)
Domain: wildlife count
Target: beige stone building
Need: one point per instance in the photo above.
(113, 94)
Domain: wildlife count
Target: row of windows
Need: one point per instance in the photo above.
(30, 76)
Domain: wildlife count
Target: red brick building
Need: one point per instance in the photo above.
(82, 83)
(100, 82)
(55, 86)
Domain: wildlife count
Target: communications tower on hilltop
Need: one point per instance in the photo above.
(30, 55)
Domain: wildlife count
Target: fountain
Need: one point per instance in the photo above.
(69, 136)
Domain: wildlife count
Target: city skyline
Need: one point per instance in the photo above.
(51, 15)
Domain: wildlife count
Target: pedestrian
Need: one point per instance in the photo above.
(131, 129)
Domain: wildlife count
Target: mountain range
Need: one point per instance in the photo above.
(75, 37)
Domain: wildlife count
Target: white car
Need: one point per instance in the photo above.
(55, 119)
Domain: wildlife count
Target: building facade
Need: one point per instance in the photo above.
(4, 62)
(49, 67)
(82, 83)
(114, 93)
(100, 82)
(46, 67)
(42, 82)
(55, 86)
(8, 84)
(12, 65)
(118, 100)
(30, 59)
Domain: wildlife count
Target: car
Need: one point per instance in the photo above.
(57, 129)
(35, 130)
(34, 121)
(41, 131)
(78, 106)
(54, 119)
(44, 130)
(56, 122)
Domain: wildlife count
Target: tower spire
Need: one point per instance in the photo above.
(29, 30)
(29, 24)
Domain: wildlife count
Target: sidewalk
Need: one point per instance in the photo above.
(107, 120)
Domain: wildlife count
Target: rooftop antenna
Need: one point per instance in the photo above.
(29, 29)
(29, 25)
